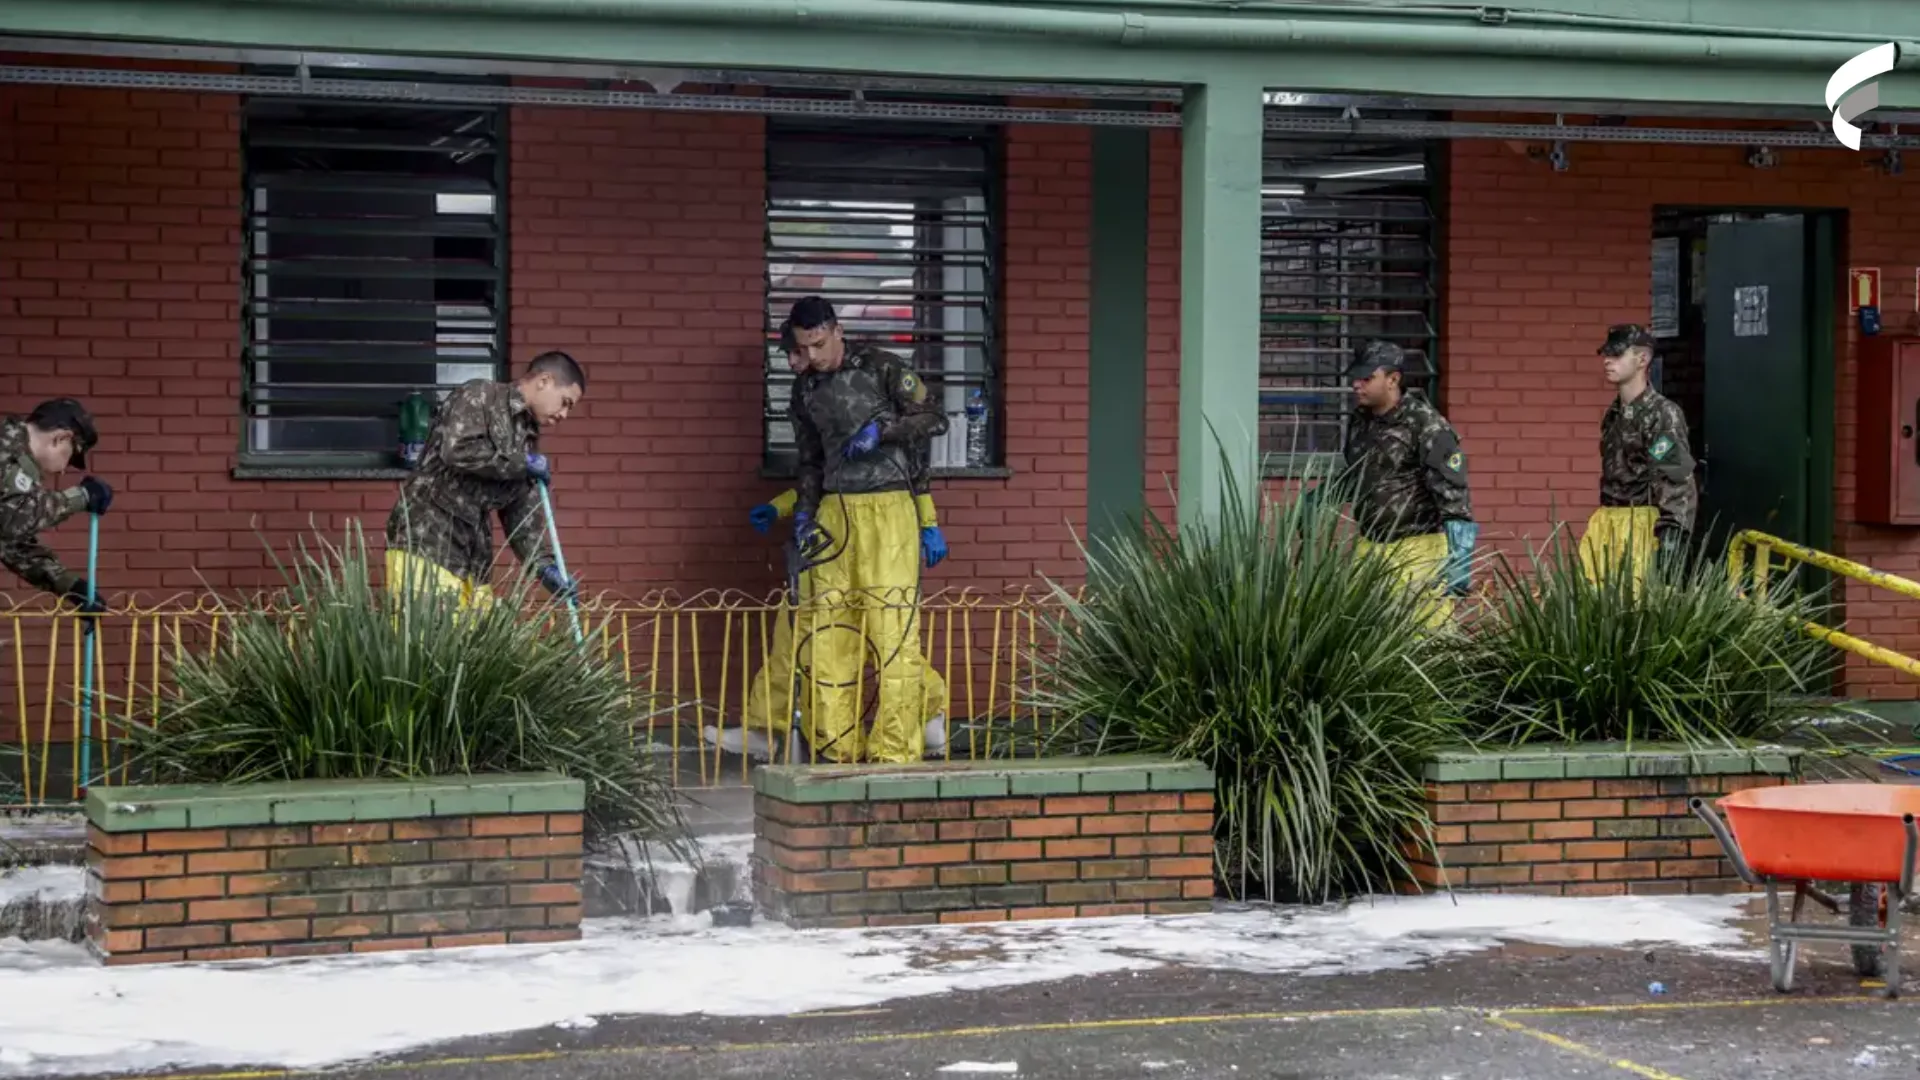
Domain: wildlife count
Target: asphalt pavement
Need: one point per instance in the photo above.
(1517, 1013)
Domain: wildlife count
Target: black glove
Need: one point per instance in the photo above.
(77, 592)
(99, 495)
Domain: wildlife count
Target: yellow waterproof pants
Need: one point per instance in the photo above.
(1418, 561)
(865, 606)
(1616, 533)
(407, 569)
(768, 695)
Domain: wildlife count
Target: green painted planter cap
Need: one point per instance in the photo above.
(1581, 761)
(1117, 774)
(298, 802)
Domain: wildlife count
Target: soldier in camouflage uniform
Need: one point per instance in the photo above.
(481, 458)
(1412, 501)
(764, 717)
(1647, 495)
(56, 435)
(862, 422)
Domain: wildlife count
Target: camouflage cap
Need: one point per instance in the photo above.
(1373, 356)
(1625, 336)
(67, 414)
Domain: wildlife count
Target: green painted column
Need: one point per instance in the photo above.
(1220, 140)
(1117, 331)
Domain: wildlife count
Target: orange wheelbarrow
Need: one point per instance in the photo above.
(1859, 835)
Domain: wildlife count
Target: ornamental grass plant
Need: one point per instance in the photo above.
(1682, 658)
(1267, 646)
(331, 677)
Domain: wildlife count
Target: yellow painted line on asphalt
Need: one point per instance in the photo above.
(1495, 1016)
(1561, 1042)
(855, 1040)
(1684, 1006)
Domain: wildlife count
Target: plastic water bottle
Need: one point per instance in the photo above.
(416, 420)
(977, 429)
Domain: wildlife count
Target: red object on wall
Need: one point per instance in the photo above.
(1889, 415)
(1863, 288)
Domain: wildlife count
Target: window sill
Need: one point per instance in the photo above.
(1302, 466)
(985, 472)
(318, 471)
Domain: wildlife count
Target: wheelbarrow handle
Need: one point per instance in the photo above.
(1707, 814)
(1913, 849)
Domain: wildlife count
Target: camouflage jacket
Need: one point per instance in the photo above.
(474, 465)
(1645, 460)
(1412, 473)
(27, 508)
(828, 408)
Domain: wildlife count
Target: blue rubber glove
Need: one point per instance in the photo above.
(802, 531)
(762, 517)
(558, 584)
(863, 441)
(933, 546)
(1461, 536)
(538, 469)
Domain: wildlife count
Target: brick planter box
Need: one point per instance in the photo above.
(982, 842)
(316, 868)
(1592, 820)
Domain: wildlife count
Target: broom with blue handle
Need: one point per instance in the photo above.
(537, 466)
(86, 642)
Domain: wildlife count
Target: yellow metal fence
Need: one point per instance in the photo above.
(1757, 552)
(700, 657)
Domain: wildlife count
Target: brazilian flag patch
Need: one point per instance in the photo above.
(911, 384)
(1455, 460)
(1661, 447)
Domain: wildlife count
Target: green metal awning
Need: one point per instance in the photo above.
(1763, 54)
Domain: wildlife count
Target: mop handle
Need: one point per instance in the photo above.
(560, 560)
(86, 642)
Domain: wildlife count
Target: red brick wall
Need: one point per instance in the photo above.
(636, 243)
(455, 881)
(875, 861)
(1007, 531)
(119, 274)
(1541, 262)
(1604, 837)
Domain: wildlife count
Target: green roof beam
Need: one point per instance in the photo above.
(1345, 50)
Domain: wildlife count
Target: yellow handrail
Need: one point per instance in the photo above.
(1765, 547)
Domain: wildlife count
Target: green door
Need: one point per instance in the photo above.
(1755, 449)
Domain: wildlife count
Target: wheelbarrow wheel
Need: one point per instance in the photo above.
(1863, 910)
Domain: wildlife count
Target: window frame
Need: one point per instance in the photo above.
(255, 463)
(1283, 462)
(780, 462)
